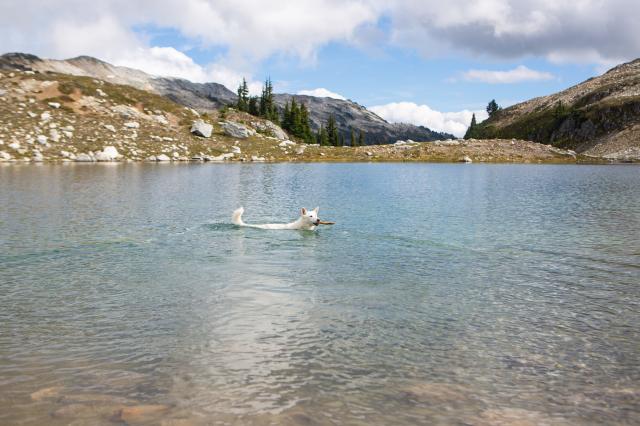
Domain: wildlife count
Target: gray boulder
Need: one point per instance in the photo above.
(202, 129)
(271, 129)
(84, 158)
(237, 130)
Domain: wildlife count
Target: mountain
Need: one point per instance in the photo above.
(599, 117)
(209, 96)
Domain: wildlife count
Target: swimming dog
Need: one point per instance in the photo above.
(307, 221)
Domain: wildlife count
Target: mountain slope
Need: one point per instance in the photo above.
(209, 96)
(600, 116)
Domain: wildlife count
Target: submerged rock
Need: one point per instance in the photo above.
(138, 413)
(45, 393)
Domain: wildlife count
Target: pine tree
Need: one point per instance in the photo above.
(253, 108)
(352, 138)
(323, 137)
(332, 131)
(493, 107)
(243, 96)
(268, 108)
(341, 140)
(361, 139)
(286, 117)
(306, 128)
(471, 129)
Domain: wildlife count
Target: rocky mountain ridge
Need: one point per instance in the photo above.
(210, 96)
(599, 117)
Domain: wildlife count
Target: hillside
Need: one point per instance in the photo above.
(210, 96)
(51, 117)
(599, 117)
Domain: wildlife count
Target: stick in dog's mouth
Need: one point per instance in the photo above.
(322, 222)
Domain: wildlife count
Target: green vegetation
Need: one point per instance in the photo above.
(561, 125)
(295, 120)
(493, 107)
(472, 128)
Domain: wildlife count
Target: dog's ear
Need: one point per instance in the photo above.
(316, 209)
(303, 211)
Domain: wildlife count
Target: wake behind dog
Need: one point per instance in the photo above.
(308, 221)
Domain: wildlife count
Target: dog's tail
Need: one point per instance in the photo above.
(236, 218)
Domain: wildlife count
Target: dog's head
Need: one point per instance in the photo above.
(310, 216)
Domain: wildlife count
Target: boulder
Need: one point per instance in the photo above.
(161, 119)
(84, 158)
(202, 129)
(466, 159)
(271, 129)
(4, 156)
(109, 153)
(257, 159)
(286, 143)
(236, 150)
(14, 145)
(132, 124)
(45, 116)
(162, 157)
(42, 139)
(125, 111)
(151, 158)
(237, 130)
(55, 105)
(54, 135)
(110, 127)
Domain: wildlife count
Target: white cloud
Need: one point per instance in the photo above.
(249, 31)
(516, 75)
(576, 31)
(321, 92)
(455, 123)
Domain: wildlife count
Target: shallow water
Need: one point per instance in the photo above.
(445, 294)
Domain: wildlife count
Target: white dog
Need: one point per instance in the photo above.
(307, 221)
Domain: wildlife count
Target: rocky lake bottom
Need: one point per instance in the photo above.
(445, 294)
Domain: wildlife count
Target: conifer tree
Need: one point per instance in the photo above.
(361, 139)
(352, 139)
(304, 118)
(268, 108)
(243, 96)
(254, 108)
(472, 127)
(332, 131)
(493, 107)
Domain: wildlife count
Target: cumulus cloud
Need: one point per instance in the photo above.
(577, 31)
(455, 123)
(249, 31)
(321, 92)
(516, 75)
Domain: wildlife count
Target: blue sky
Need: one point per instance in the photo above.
(418, 61)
